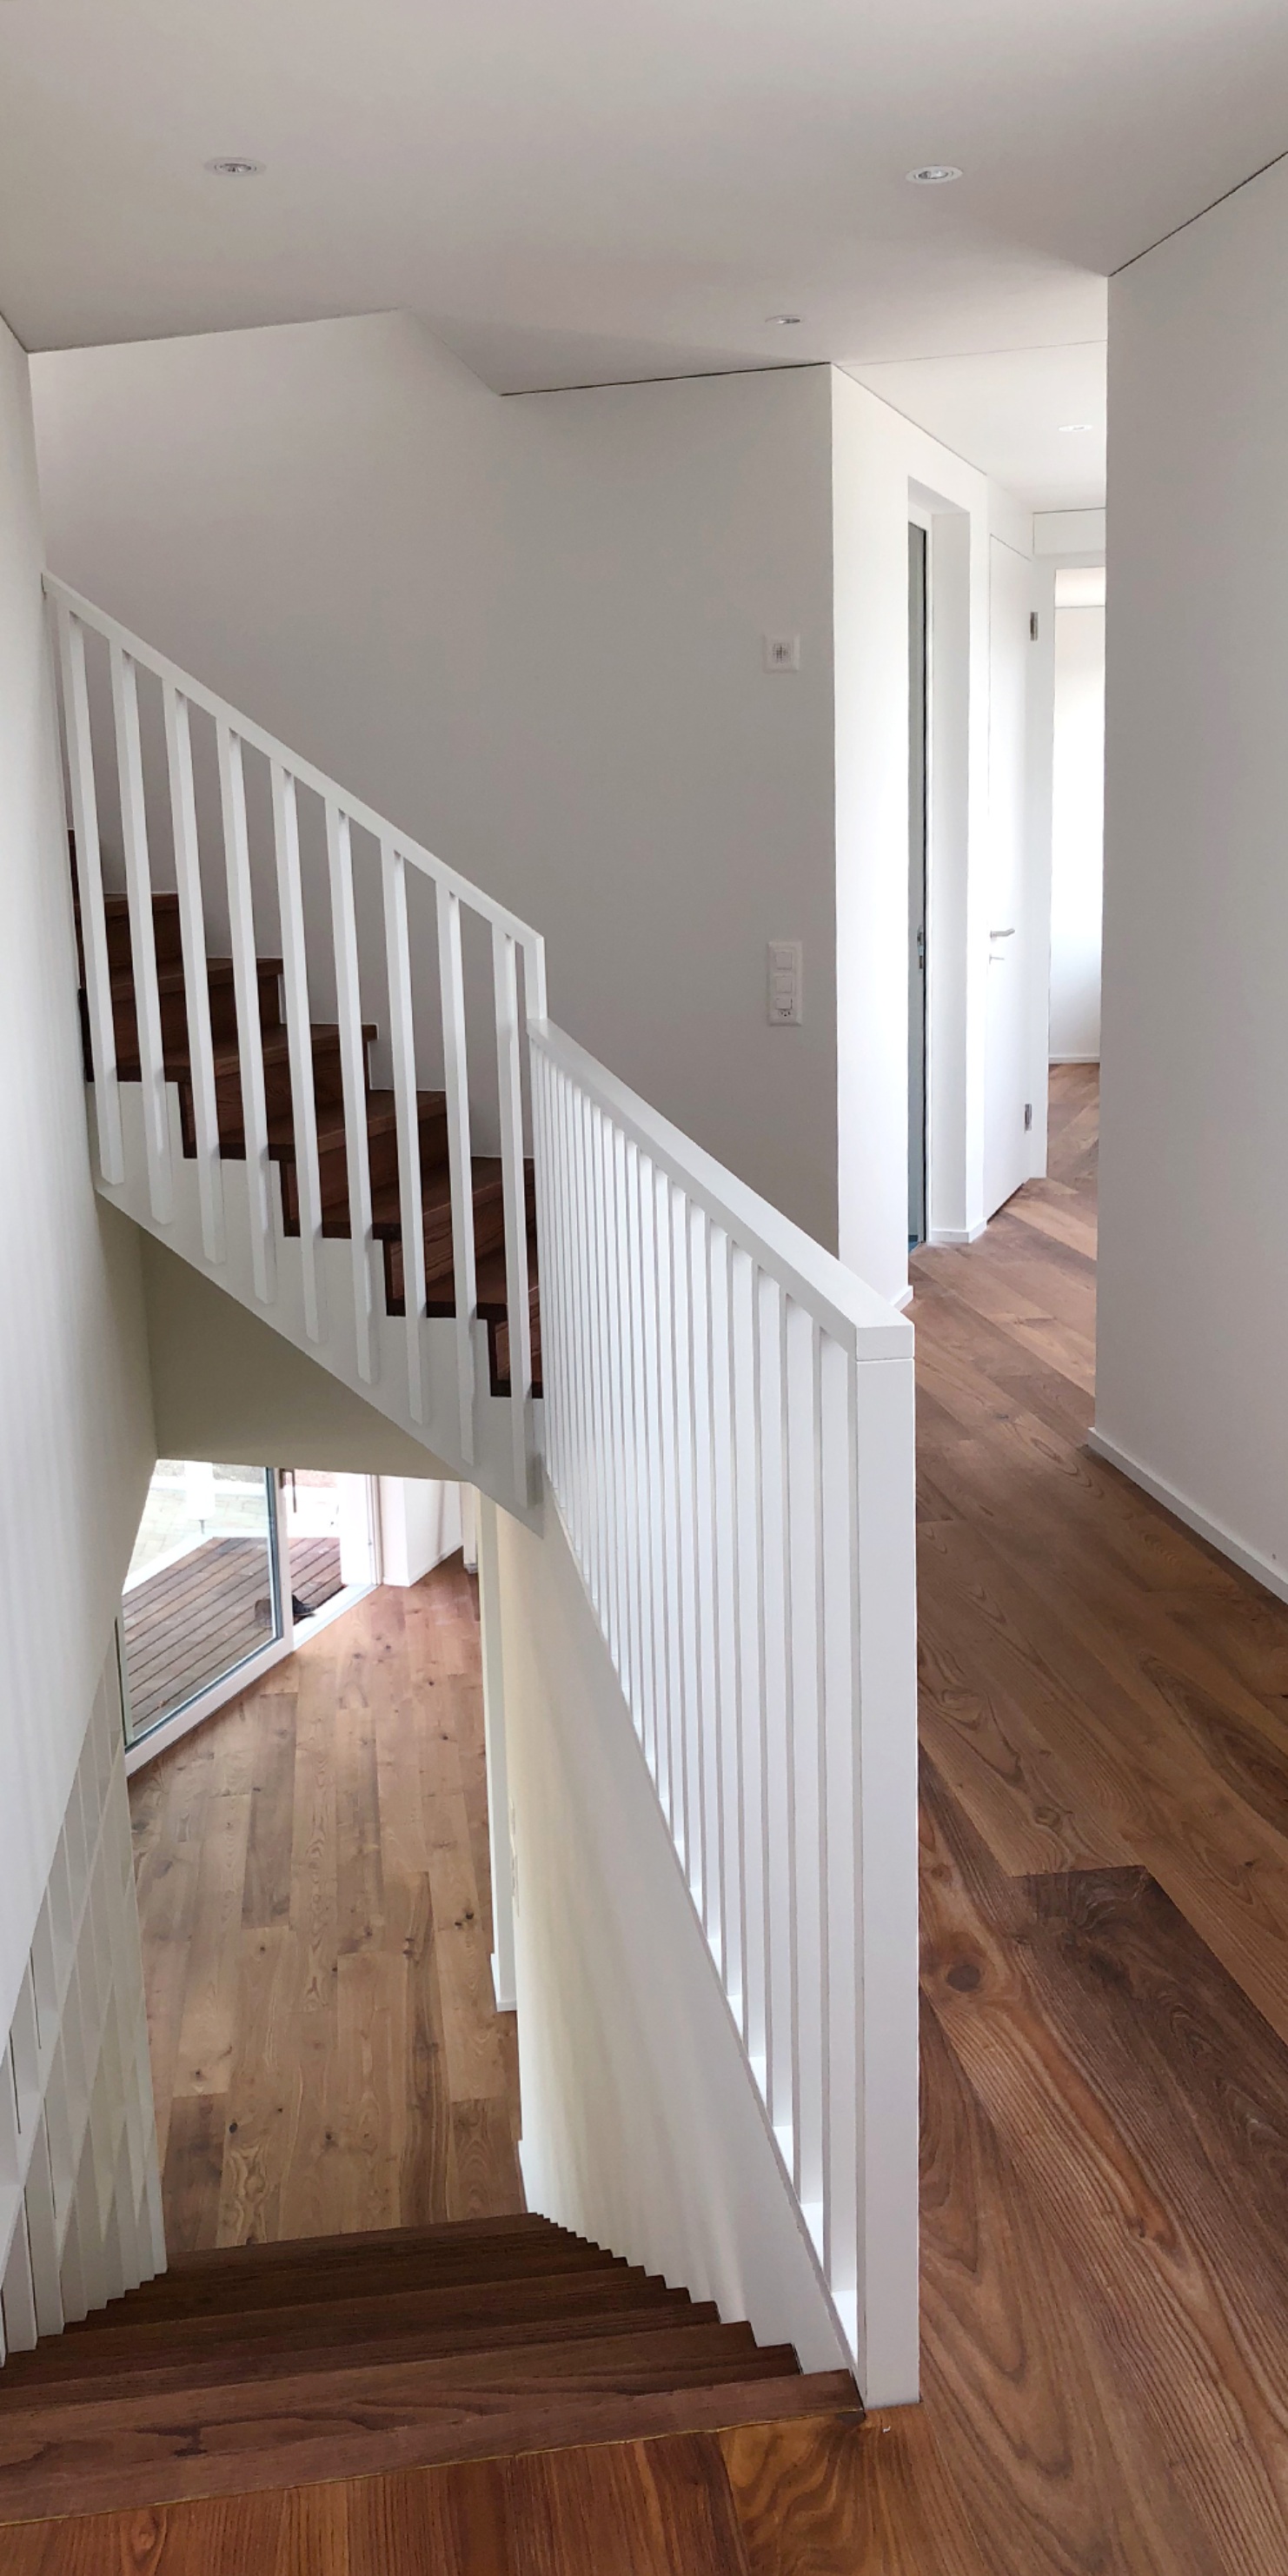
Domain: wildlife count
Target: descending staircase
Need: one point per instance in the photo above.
(279, 2366)
(382, 1139)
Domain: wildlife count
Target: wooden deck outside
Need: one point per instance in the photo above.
(208, 1611)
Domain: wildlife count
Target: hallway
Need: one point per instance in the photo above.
(315, 1899)
(1105, 1953)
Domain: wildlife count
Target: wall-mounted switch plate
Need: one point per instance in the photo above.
(782, 652)
(784, 960)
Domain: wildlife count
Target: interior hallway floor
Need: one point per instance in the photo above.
(315, 1898)
(1104, 1724)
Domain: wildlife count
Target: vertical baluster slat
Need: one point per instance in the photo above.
(402, 1045)
(196, 975)
(299, 1039)
(779, 1836)
(802, 1387)
(705, 1592)
(143, 945)
(89, 882)
(724, 1508)
(451, 975)
(250, 1048)
(353, 1084)
(750, 1731)
(838, 1440)
(505, 988)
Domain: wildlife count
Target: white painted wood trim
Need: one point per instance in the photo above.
(1273, 1578)
(299, 1035)
(250, 1046)
(353, 1075)
(138, 882)
(842, 1303)
(89, 879)
(402, 1043)
(192, 935)
(460, 1165)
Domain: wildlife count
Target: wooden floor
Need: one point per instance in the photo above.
(1105, 1979)
(1105, 1953)
(194, 1620)
(315, 1897)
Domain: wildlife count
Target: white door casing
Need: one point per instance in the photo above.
(1006, 1053)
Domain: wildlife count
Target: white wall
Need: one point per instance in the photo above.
(1192, 1392)
(75, 1456)
(75, 1418)
(641, 2123)
(1077, 833)
(530, 631)
(420, 1524)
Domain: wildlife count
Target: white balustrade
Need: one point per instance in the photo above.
(728, 1438)
(236, 1204)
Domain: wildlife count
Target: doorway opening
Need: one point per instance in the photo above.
(232, 1567)
(918, 876)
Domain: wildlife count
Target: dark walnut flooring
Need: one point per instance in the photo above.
(1105, 1984)
(1105, 1951)
(315, 1895)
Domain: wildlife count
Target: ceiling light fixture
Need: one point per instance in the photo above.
(933, 174)
(785, 321)
(235, 169)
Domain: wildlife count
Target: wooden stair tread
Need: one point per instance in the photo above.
(679, 2353)
(391, 2274)
(321, 2323)
(462, 2343)
(485, 2423)
(520, 2227)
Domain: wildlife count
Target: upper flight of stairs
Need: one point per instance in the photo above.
(280, 2366)
(489, 1235)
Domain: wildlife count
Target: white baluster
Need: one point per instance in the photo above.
(807, 1755)
(89, 881)
(353, 1080)
(402, 1042)
(196, 974)
(250, 1043)
(299, 1039)
(460, 1164)
(138, 887)
(505, 989)
(838, 1452)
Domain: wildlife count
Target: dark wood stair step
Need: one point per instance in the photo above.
(168, 2375)
(392, 2269)
(328, 2324)
(445, 2235)
(475, 2421)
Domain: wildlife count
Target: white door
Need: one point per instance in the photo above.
(1006, 1054)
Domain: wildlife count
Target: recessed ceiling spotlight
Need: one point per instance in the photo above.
(235, 168)
(1077, 428)
(933, 174)
(785, 321)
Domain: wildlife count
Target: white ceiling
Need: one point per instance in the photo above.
(1033, 418)
(581, 190)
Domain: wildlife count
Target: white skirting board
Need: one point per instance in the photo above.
(947, 1234)
(1261, 1568)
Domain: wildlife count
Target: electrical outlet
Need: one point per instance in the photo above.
(1028, 1116)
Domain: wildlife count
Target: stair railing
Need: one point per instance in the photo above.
(728, 1437)
(90, 784)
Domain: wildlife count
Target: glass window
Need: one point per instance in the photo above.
(202, 1593)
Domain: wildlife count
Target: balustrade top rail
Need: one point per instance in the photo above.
(863, 1322)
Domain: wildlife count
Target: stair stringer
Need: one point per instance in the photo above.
(491, 1467)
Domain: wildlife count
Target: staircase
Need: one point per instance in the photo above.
(329, 1114)
(279, 2366)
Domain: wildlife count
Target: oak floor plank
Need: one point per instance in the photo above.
(289, 1863)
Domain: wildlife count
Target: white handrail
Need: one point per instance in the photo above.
(728, 1441)
(352, 1335)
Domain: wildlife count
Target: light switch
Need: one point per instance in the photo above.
(784, 983)
(782, 652)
